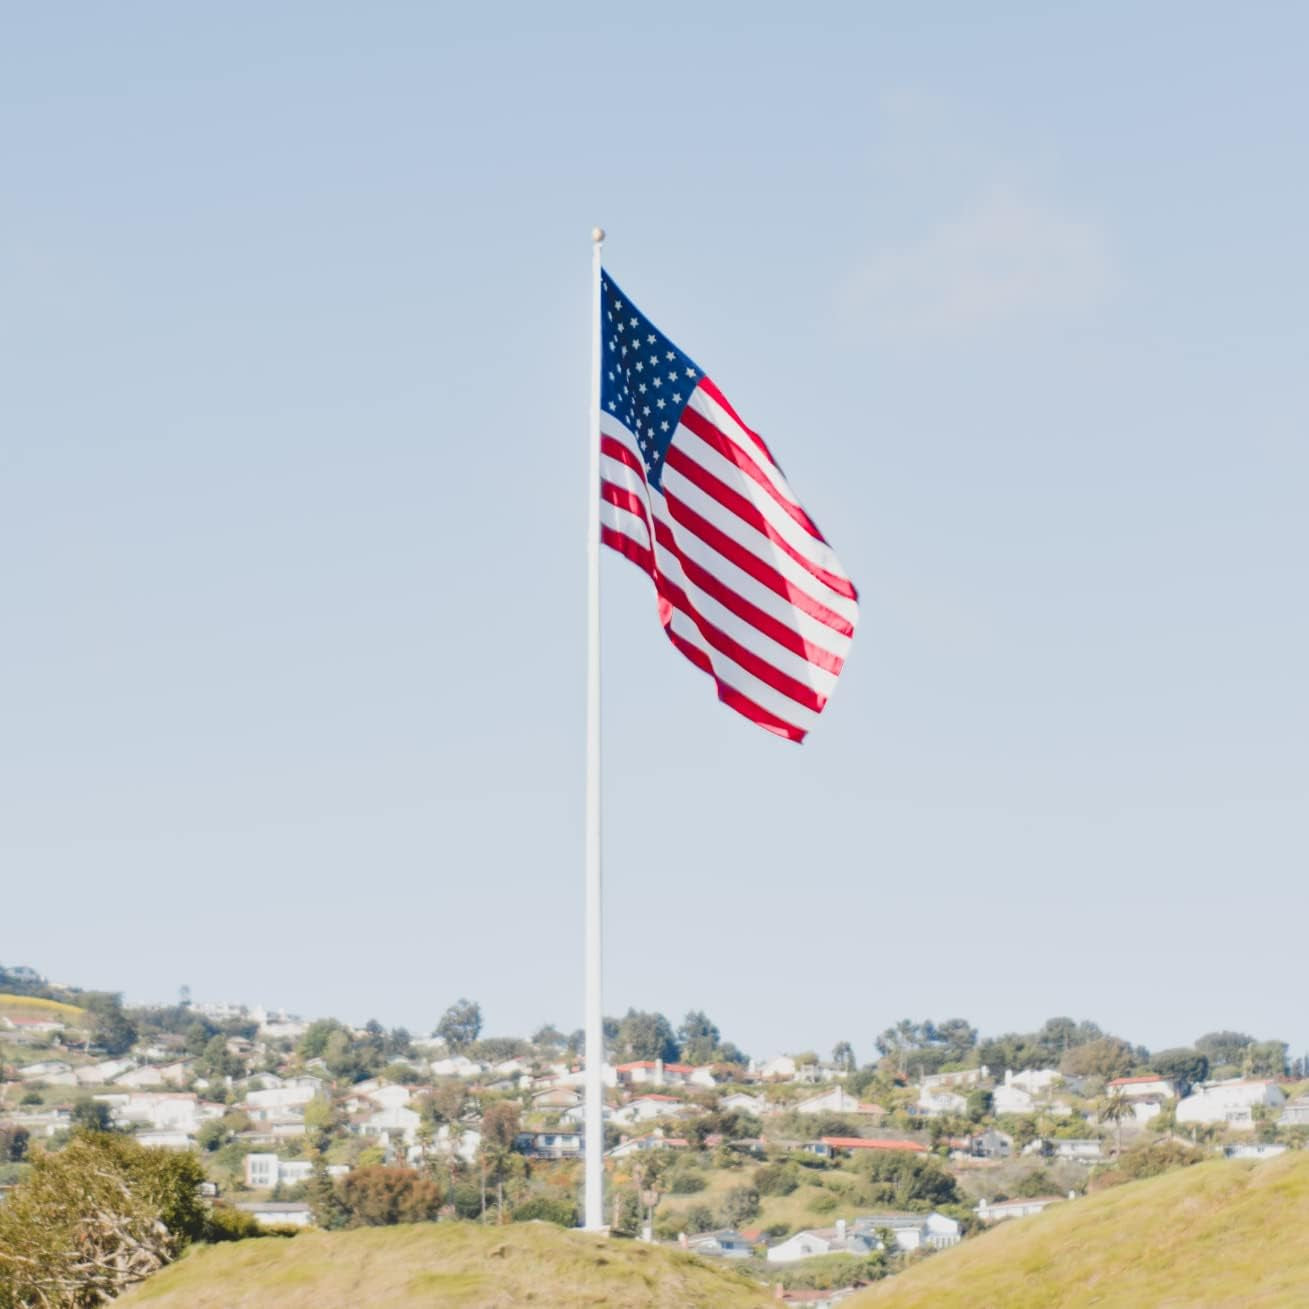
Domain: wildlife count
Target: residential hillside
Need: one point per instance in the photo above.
(448, 1264)
(1222, 1235)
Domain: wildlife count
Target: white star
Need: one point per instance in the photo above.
(611, 316)
(659, 404)
(650, 340)
(636, 322)
(618, 304)
(654, 381)
(654, 361)
(611, 374)
(690, 372)
(664, 426)
(641, 388)
(677, 397)
(671, 355)
(639, 366)
(646, 410)
(613, 404)
(672, 377)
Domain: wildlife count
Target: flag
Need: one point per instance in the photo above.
(747, 587)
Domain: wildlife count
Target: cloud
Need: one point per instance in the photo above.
(1005, 258)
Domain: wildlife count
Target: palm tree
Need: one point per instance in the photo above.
(1114, 1110)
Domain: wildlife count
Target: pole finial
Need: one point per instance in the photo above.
(597, 234)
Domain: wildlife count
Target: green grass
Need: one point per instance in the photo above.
(1216, 1236)
(443, 1264)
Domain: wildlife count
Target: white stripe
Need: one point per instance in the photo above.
(754, 543)
(617, 472)
(779, 657)
(808, 547)
(626, 523)
(731, 673)
(703, 403)
(750, 590)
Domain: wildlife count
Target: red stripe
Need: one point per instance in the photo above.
(747, 512)
(762, 572)
(733, 698)
(712, 391)
(633, 550)
(621, 498)
(754, 664)
(712, 437)
(771, 627)
(615, 449)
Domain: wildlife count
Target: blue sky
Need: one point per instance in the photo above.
(293, 368)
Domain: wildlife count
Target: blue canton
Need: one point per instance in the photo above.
(645, 380)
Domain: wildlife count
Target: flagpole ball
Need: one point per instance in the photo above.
(597, 234)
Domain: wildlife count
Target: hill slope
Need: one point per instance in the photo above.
(446, 1264)
(1217, 1235)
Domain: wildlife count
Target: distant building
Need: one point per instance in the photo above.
(1230, 1103)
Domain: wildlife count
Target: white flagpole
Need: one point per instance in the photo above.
(594, 1137)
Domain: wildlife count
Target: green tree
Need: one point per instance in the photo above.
(92, 1219)
(460, 1025)
(1107, 1057)
(1184, 1066)
(1115, 1109)
(843, 1056)
(738, 1206)
(979, 1105)
(92, 1116)
(1265, 1059)
(1224, 1049)
(698, 1038)
(500, 1125)
(110, 1028)
(642, 1035)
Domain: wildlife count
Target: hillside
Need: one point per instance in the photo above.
(1217, 1235)
(32, 1006)
(447, 1264)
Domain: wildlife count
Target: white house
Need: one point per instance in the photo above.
(1011, 1099)
(656, 1140)
(288, 1096)
(933, 1104)
(274, 1213)
(1152, 1087)
(46, 1071)
(1254, 1150)
(456, 1066)
(727, 1243)
(103, 1073)
(823, 1240)
(265, 1171)
(967, 1078)
(912, 1231)
(1296, 1114)
(177, 1073)
(1003, 1210)
(836, 1100)
(395, 1121)
(646, 1108)
(1231, 1103)
(1035, 1081)
(742, 1102)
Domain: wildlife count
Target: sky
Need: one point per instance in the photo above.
(294, 352)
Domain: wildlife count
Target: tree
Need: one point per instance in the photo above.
(843, 1056)
(13, 1143)
(1182, 1065)
(1224, 1049)
(698, 1037)
(313, 1044)
(907, 1181)
(460, 1025)
(918, 1048)
(1114, 1110)
(380, 1195)
(1107, 1057)
(1266, 1059)
(642, 1035)
(398, 1044)
(93, 1219)
(739, 1205)
(92, 1116)
(110, 1027)
(499, 1132)
(979, 1105)
(548, 1037)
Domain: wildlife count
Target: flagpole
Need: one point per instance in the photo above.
(594, 1137)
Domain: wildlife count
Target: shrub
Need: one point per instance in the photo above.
(231, 1225)
(686, 1183)
(775, 1179)
(546, 1209)
(699, 1218)
(823, 1203)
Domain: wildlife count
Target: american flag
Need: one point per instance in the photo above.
(748, 590)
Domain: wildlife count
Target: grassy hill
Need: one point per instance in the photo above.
(1216, 1235)
(446, 1264)
(32, 1006)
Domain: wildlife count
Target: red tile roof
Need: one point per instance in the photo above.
(866, 1143)
(1128, 1081)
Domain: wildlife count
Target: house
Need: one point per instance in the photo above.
(812, 1299)
(991, 1144)
(786, 1068)
(556, 1097)
(1231, 1102)
(549, 1145)
(467, 1142)
(265, 1171)
(46, 1071)
(1254, 1150)
(726, 1243)
(1035, 1081)
(868, 1143)
(646, 1108)
(102, 1074)
(161, 1110)
(278, 1213)
(742, 1102)
(177, 1073)
(1003, 1210)
(1011, 1099)
(1080, 1151)
(654, 1072)
(824, 1240)
(1296, 1114)
(456, 1066)
(934, 1104)
(656, 1140)
(288, 1096)
(396, 1121)
(165, 1138)
(1151, 1087)
(836, 1101)
(965, 1078)
(912, 1231)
